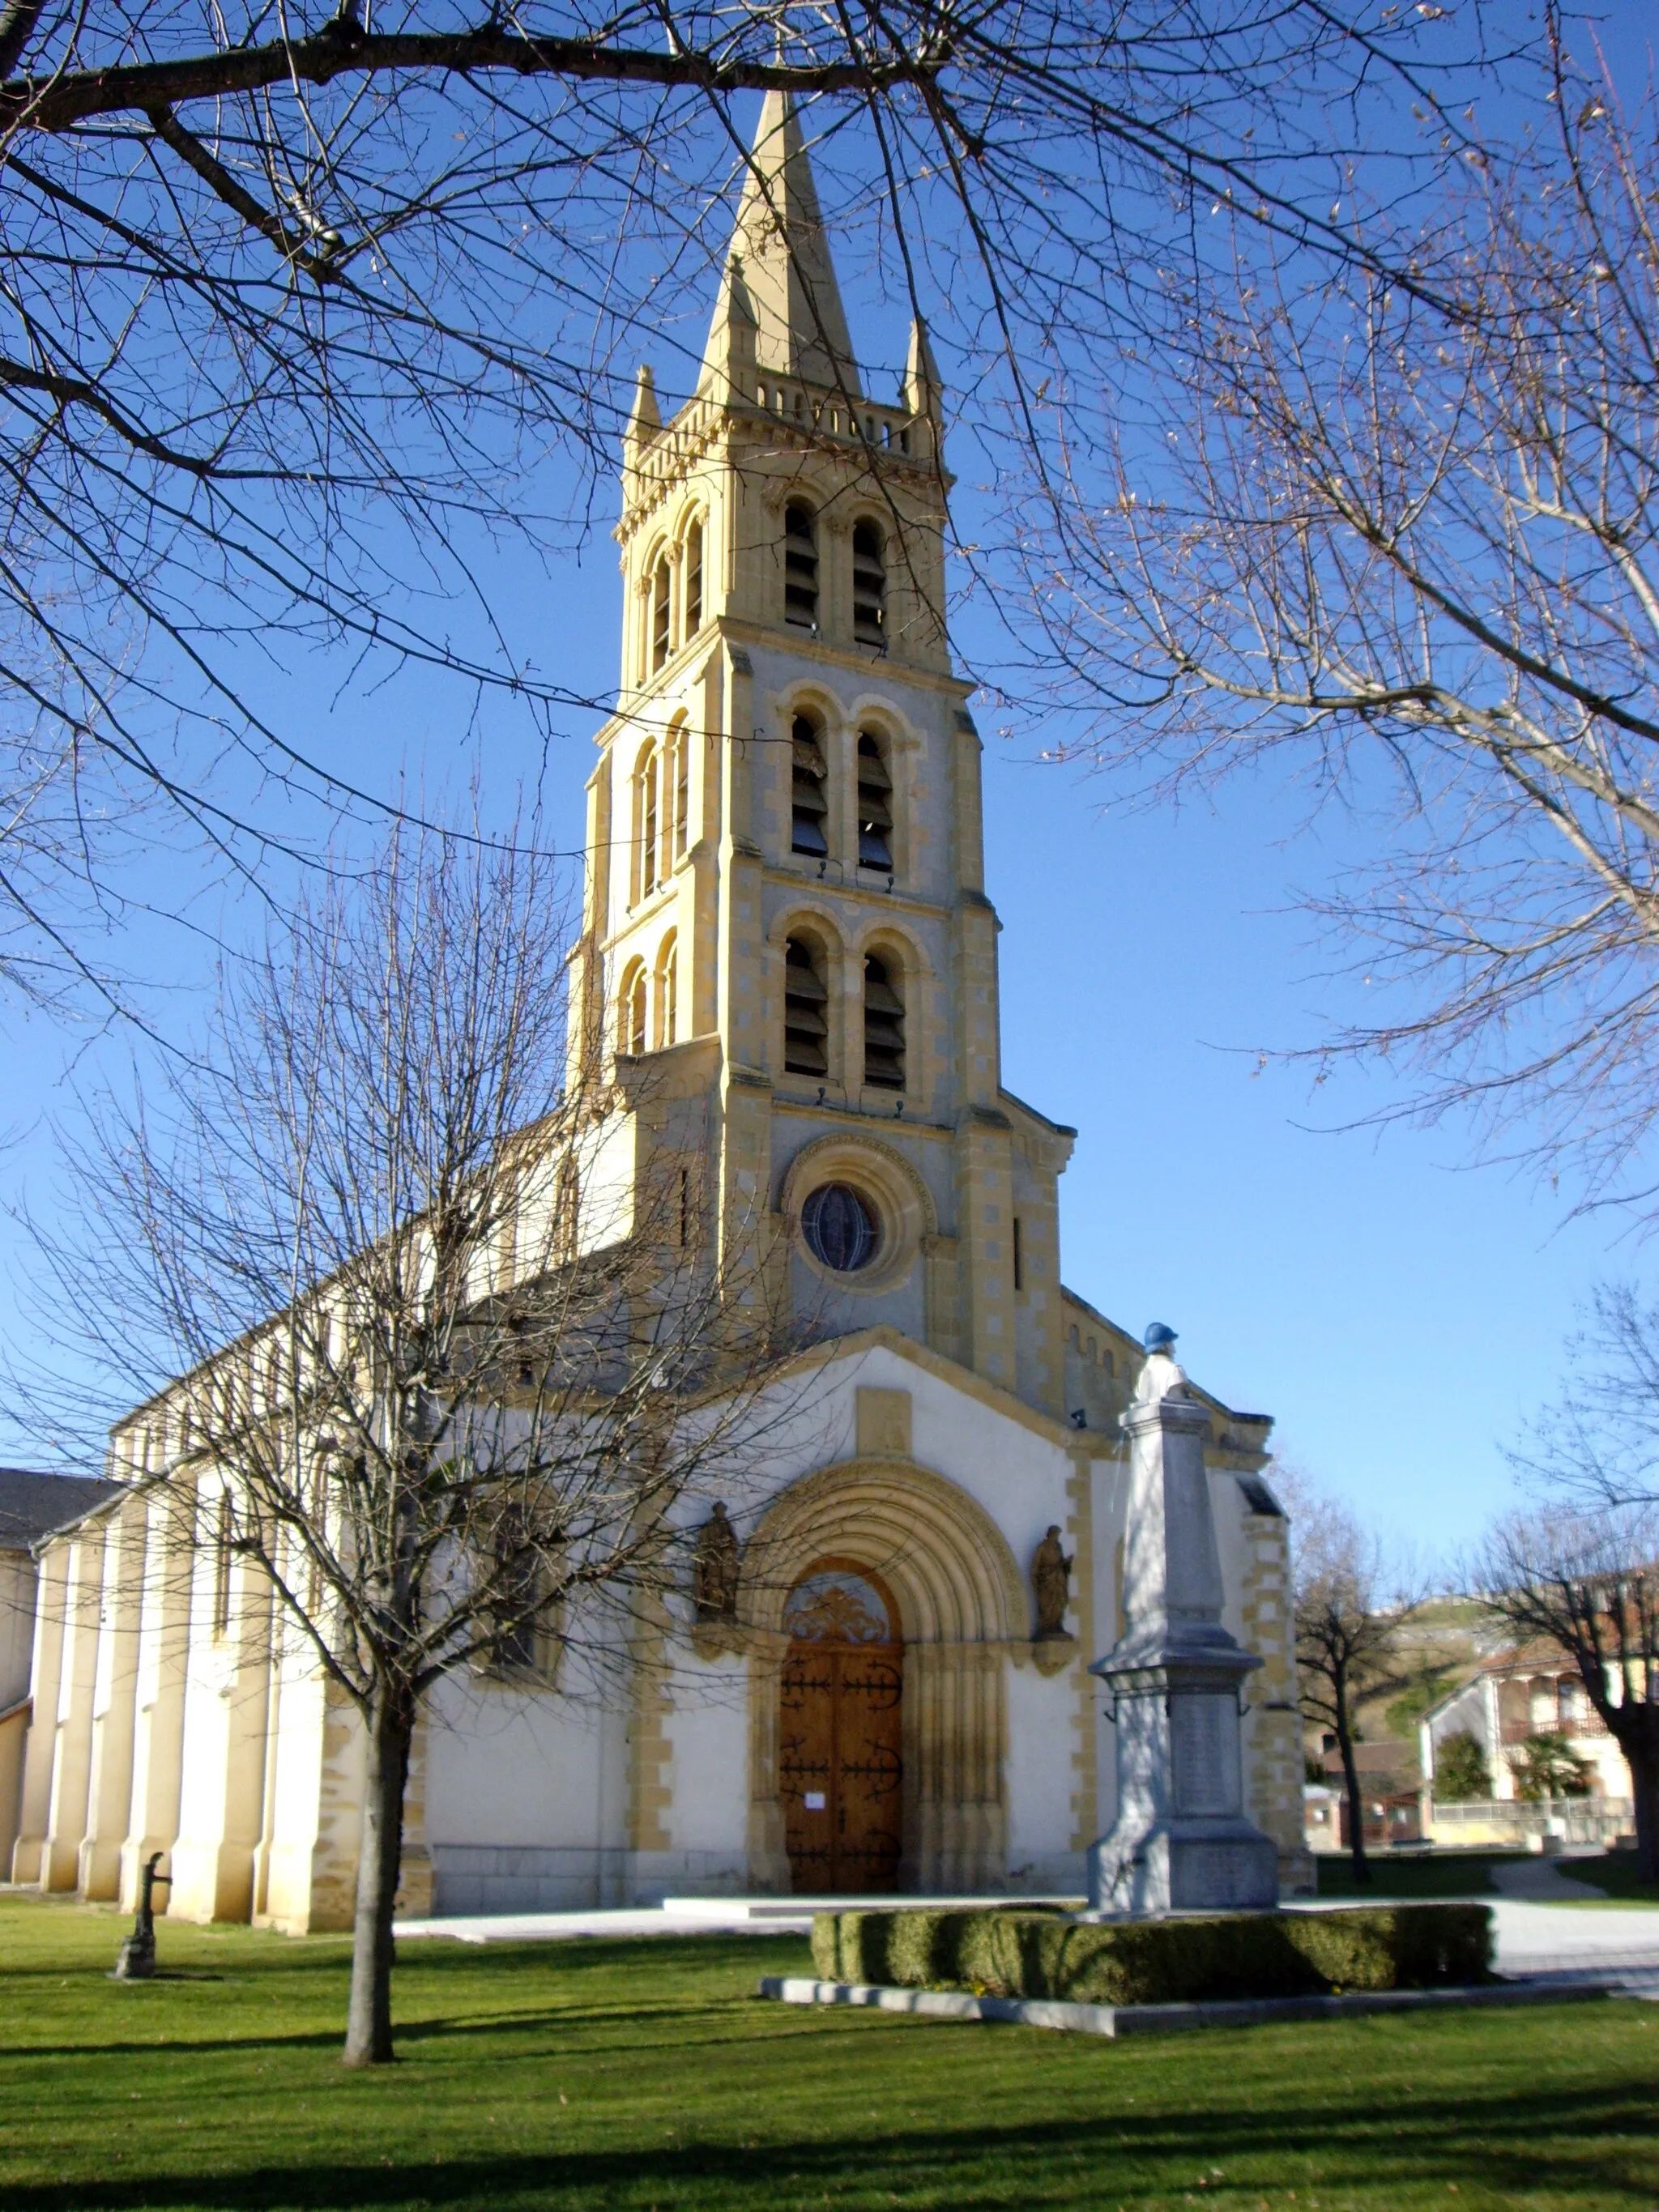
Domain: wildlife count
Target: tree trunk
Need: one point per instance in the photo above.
(368, 2019)
(1362, 1872)
(1643, 1766)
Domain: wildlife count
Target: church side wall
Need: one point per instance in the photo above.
(223, 1798)
(526, 1799)
(706, 1821)
(299, 1888)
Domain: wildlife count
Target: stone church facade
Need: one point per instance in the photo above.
(788, 964)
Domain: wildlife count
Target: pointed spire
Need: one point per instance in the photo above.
(921, 389)
(644, 420)
(728, 359)
(789, 280)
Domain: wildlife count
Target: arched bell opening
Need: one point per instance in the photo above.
(841, 1733)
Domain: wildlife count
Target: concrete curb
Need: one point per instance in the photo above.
(1163, 2018)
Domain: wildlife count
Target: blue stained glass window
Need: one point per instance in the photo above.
(839, 1228)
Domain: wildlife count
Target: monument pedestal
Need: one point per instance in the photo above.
(1181, 1842)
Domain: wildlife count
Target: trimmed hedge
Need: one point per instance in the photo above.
(1010, 1953)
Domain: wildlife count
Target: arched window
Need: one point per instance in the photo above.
(668, 990)
(883, 1026)
(800, 567)
(808, 805)
(875, 805)
(869, 585)
(660, 625)
(679, 741)
(631, 1029)
(805, 1028)
(694, 578)
(646, 819)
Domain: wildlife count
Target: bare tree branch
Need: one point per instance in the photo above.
(413, 1363)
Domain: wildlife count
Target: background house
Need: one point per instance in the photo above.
(31, 1506)
(1517, 1695)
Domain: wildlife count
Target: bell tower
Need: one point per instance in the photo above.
(788, 967)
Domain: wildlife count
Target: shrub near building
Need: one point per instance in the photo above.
(1045, 1954)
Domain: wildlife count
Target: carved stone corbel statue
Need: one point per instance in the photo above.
(714, 1587)
(1051, 1586)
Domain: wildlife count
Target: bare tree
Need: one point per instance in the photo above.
(1581, 1571)
(1597, 1445)
(1586, 1581)
(448, 1376)
(1395, 530)
(1348, 1625)
(298, 309)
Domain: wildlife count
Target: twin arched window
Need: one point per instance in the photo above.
(805, 1015)
(800, 575)
(809, 803)
(661, 637)
(662, 808)
(637, 1031)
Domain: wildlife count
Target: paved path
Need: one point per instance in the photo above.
(569, 1927)
(1621, 1949)
(1541, 1881)
(1533, 1940)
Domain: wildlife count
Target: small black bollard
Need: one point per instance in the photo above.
(136, 1961)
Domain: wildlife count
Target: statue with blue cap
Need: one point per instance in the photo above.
(1162, 1376)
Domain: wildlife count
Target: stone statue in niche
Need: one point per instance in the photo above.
(714, 1570)
(1051, 1584)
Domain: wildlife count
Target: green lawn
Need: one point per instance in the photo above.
(1616, 1874)
(1400, 1874)
(1468, 1873)
(645, 2073)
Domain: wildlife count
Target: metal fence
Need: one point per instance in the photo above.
(1569, 1820)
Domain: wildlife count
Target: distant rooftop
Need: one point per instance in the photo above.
(31, 1505)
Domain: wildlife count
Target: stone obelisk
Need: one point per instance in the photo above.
(1181, 1842)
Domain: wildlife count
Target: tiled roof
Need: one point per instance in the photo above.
(31, 1505)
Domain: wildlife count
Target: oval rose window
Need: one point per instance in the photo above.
(839, 1228)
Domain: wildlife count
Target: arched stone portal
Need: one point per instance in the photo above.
(961, 1608)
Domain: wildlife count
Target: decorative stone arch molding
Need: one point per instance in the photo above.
(961, 1606)
(903, 1204)
(885, 712)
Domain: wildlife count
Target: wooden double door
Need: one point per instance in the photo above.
(840, 1765)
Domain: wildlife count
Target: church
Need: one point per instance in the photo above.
(788, 960)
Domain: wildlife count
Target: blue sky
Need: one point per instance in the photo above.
(1398, 1311)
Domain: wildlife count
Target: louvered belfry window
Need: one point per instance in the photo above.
(694, 579)
(805, 1003)
(659, 614)
(869, 585)
(884, 1027)
(800, 568)
(875, 806)
(808, 804)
